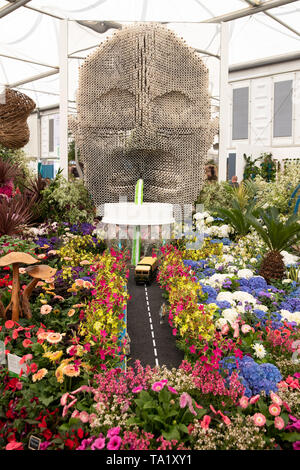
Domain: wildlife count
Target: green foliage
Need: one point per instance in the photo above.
(67, 200)
(251, 170)
(18, 158)
(215, 194)
(238, 216)
(278, 193)
(267, 167)
(160, 414)
(8, 243)
(277, 235)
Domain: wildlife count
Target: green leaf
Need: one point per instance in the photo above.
(290, 436)
(173, 433)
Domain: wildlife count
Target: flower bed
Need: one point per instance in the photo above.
(238, 387)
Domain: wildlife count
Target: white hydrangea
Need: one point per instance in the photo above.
(230, 314)
(220, 323)
(225, 296)
(288, 258)
(217, 279)
(290, 317)
(262, 307)
(241, 296)
(245, 273)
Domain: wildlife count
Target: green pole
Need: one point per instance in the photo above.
(136, 243)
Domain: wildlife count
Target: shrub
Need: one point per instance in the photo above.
(67, 200)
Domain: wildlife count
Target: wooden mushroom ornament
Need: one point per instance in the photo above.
(15, 258)
(41, 272)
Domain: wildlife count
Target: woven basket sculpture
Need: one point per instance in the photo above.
(14, 111)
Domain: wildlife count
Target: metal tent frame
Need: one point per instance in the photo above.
(254, 7)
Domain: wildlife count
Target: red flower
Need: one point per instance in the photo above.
(69, 443)
(9, 324)
(27, 343)
(80, 433)
(47, 434)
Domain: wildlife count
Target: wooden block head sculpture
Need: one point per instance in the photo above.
(144, 112)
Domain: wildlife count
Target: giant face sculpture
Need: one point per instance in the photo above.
(144, 112)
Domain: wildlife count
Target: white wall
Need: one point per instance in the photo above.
(261, 82)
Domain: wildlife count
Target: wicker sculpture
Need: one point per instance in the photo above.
(14, 111)
(143, 111)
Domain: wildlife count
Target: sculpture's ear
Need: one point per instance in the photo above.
(73, 125)
(214, 126)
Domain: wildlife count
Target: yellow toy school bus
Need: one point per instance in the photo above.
(145, 270)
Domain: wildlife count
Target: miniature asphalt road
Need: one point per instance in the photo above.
(151, 342)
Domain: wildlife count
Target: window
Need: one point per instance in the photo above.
(51, 135)
(283, 109)
(240, 108)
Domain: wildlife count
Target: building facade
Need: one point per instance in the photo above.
(264, 111)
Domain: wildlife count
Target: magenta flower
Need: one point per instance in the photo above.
(158, 386)
(98, 444)
(113, 432)
(137, 389)
(172, 390)
(114, 443)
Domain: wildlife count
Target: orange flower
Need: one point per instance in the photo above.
(39, 375)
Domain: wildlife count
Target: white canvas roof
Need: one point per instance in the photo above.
(27, 34)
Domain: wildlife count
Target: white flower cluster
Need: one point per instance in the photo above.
(289, 259)
(203, 221)
(290, 316)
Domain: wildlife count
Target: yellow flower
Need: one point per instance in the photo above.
(53, 356)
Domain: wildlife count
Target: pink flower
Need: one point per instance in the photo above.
(157, 386)
(279, 423)
(14, 446)
(193, 349)
(137, 389)
(172, 390)
(243, 402)
(259, 419)
(246, 328)
(274, 409)
(98, 444)
(275, 398)
(84, 417)
(75, 414)
(205, 422)
(225, 329)
(113, 432)
(114, 443)
(185, 399)
(254, 399)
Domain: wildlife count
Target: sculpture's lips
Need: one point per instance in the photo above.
(159, 182)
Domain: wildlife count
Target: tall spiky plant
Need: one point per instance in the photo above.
(278, 236)
(237, 216)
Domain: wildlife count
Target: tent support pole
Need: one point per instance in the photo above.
(224, 103)
(63, 96)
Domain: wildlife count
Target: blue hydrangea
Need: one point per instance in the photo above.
(255, 377)
(222, 304)
(291, 304)
(212, 293)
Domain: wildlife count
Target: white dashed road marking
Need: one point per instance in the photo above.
(151, 327)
